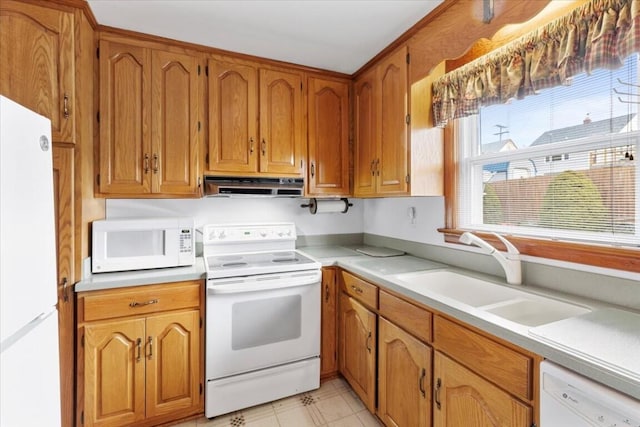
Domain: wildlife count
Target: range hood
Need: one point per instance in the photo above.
(252, 186)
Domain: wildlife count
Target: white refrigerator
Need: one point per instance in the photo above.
(30, 369)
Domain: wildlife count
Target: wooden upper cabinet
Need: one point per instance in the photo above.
(174, 133)
(125, 118)
(37, 63)
(233, 117)
(381, 128)
(149, 121)
(281, 123)
(393, 81)
(328, 145)
(366, 136)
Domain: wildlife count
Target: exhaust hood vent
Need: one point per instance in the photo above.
(252, 186)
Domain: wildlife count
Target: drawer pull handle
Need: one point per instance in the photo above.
(150, 348)
(139, 345)
(368, 341)
(156, 166)
(146, 163)
(142, 304)
(326, 293)
(356, 289)
(421, 382)
(437, 393)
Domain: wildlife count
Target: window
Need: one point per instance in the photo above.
(560, 164)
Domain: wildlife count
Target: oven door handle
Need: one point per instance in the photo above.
(234, 285)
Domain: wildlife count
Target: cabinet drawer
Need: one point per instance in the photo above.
(413, 319)
(501, 365)
(139, 300)
(361, 290)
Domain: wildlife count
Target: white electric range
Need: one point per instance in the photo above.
(263, 316)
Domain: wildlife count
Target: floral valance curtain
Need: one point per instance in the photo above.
(598, 34)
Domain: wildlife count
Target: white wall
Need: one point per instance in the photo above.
(228, 210)
(385, 217)
(390, 217)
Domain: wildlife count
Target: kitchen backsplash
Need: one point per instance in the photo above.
(406, 223)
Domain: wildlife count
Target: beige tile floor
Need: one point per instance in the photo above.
(334, 404)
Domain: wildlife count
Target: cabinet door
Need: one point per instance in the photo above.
(37, 63)
(394, 170)
(174, 134)
(173, 362)
(358, 349)
(125, 128)
(63, 199)
(328, 164)
(114, 372)
(462, 398)
(404, 378)
(366, 160)
(328, 347)
(281, 123)
(233, 117)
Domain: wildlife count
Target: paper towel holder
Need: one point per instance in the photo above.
(313, 204)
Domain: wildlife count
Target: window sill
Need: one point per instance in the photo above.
(598, 256)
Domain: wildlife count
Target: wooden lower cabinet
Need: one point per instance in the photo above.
(463, 398)
(404, 378)
(143, 369)
(357, 345)
(329, 331)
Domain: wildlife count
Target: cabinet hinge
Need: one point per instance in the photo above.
(97, 182)
(206, 158)
(199, 125)
(98, 52)
(406, 179)
(201, 389)
(408, 119)
(408, 58)
(201, 323)
(198, 69)
(82, 417)
(98, 116)
(206, 70)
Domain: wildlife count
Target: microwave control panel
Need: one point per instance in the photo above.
(186, 240)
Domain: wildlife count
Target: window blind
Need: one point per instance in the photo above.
(560, 164)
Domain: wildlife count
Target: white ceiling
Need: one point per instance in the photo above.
(337, 35)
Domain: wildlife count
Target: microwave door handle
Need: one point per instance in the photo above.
(278, 282)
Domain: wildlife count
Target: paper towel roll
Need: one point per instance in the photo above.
(328, 206)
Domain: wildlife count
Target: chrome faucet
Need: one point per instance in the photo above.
(510, 261)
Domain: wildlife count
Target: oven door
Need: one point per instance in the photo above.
(257, 322)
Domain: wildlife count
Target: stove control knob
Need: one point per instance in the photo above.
(263, 233)
(222, 235)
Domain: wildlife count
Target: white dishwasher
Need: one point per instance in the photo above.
(571, 400)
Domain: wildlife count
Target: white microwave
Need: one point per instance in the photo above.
(142, 243)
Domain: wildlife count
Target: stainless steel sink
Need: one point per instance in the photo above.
(515, 305)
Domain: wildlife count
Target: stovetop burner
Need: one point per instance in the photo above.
(252, 249)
